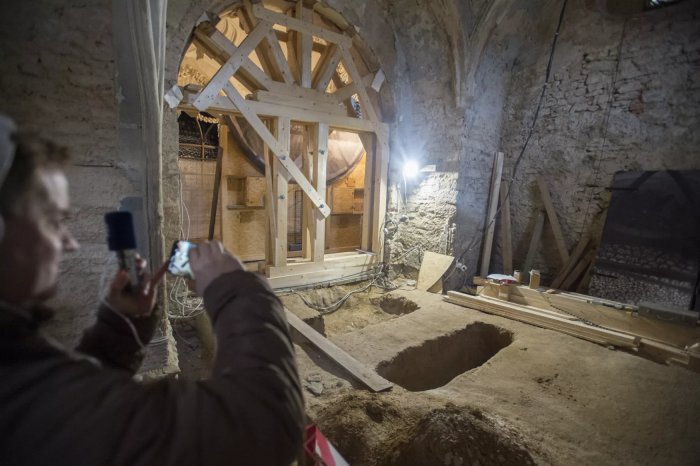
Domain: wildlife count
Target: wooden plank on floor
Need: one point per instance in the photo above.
(361, 372)
(614, 315)
(487, 245)
(547, 320)
(553, 220)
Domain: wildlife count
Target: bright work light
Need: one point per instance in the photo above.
(410, 169)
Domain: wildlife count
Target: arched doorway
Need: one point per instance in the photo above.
(303, 154)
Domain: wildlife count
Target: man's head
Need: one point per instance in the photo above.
(34, 204)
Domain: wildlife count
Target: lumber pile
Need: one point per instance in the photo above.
(617, 328)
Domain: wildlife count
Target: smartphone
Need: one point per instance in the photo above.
(179, 263)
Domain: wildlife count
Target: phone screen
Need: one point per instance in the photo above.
(180, 259)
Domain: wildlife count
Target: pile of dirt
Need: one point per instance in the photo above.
(385, 429)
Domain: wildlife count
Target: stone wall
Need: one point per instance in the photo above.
(623, 95)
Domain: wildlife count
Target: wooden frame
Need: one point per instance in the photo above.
(294, 88)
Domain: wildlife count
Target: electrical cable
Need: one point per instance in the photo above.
(179, 295)
(475, 239)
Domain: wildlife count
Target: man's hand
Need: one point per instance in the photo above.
(209, 261)
(135, 303)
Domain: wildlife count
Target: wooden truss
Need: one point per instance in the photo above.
(288, 88)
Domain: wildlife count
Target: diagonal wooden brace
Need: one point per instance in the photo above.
(274, 145)
(221, 78)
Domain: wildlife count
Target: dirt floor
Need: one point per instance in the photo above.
(476, 389)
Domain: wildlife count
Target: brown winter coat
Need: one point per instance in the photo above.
(83, 408)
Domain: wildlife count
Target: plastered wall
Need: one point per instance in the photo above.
(57, 79)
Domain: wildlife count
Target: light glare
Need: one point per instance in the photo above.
(410, 169)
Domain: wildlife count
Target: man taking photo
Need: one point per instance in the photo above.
(82, 407)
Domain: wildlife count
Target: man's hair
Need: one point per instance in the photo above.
(32, 153)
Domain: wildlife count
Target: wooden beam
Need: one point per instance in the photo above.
(553, 220)
(573, 259)
(304, 43)
(302, 103)
(490, 225)
(268, 63)
(359, 371)
(283, 129)
(221, 49)
(332, 262)
(326, 66)
(506, 240)
(350, 273)
(225, 106)
(208, 95)
(280, 150)
(367, 107)
(348, 91)
(535, 240)
(301, 26)
(549, 321)
(274, 50)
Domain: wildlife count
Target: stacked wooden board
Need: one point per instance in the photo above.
(589, 319)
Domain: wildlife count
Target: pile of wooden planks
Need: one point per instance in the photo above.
(589, 319)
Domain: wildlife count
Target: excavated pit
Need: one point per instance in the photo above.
(395, 305)
(435, 362)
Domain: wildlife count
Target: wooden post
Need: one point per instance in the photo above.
(506, 241)
(304, 45)
(491, 217)
(381, 168)
(283, 136)
(368, 142)
(320, 168)
(270, 204)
